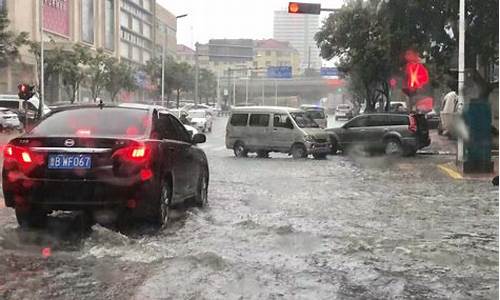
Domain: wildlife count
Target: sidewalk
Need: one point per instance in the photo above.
(439, 145)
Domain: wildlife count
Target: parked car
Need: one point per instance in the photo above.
(9, 121)
(265, 129)
(317, 113)
(433, 119)
(395, 134)
(344, 111)
(201, 119)
(130, 160)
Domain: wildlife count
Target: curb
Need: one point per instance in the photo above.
(451, 170)
(428, 152)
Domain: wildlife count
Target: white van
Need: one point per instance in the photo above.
(264, 129)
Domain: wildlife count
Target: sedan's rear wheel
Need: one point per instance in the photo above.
(240, 150)
(28, 217)
(201, 198)
(163, 201)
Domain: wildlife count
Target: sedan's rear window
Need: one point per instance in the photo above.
(113, 121)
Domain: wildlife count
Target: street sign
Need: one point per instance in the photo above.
(140, 79)
(226, 92)
(330, 72)
(279, 72)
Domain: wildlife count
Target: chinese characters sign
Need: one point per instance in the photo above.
(56, 16)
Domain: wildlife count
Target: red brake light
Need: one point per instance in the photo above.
(413, 124)
(136, 153)
(20, 154)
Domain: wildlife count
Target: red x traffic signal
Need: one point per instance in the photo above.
(304, 8)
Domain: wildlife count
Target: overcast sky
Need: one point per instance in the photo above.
(208, 19)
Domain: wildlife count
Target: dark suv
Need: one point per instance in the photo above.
(395, 134)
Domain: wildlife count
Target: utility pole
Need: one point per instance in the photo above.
(163, 65)
(234, 92)
(246, 92)
(218, 90)
(461, 67)
(41, 101)
(263, 92)
(196, 73)
(276, 91)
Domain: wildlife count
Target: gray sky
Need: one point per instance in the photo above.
(209, 19)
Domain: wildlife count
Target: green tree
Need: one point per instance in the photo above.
(182, 78)
(10, 42)
(97, 69)
(119, 76)
(207, 85)
(153, 69)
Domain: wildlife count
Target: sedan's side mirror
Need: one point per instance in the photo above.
(199, 138)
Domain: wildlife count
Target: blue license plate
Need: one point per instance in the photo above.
(69, 161)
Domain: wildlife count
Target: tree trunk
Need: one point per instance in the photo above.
(178, 97)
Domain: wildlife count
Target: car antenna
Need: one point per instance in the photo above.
(101, 104)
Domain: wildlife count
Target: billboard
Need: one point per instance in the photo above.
(328, 72)
(279, 72)
(56, 16)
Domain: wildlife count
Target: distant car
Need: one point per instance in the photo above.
(201, 119)
(344, 111)
(395, 134)
(128, 160)
(9, 121)
(191, 106)
(14, 103)
(433, 119)
(398, 106)
(317, 113)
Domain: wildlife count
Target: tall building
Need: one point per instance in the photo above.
(137, 28)
(274, 53)
(166, 32)
(87, 22)
(227, 57)
(185, 54)
(299, 30)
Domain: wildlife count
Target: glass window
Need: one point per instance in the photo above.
(377, 120)
(239, 119)
(136, 24)
(357, 122)
(146, 4)
(136, 53)
(88, 21)
(259, 120)
(280, 120)
(181, 131)
(124, 17)
(146, 56)
(146, 30)
(303, 120)
(398, 120)
(95, 122)
(109, 27)
(124, 49)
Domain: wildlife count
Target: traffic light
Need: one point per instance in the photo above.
(25, 91)
(304, 8)
(416, 77)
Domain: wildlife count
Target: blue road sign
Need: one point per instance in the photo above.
(329, 71)
(279, 72)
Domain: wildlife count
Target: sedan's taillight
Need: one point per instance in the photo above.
(20, 154)
(135, 153)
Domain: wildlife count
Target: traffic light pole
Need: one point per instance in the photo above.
(42, 63)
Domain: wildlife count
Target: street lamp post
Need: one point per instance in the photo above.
(163, 53)
(461, 66)
(42, 62)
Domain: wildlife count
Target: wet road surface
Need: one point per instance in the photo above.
(341, 228)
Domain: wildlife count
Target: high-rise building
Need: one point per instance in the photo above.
(274, 53)
(299, 30)
(166, 32)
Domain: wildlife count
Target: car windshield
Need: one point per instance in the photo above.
(94, 122)
(303, 120)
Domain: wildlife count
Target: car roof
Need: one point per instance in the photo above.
(268, 109)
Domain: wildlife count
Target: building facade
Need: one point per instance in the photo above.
(165, 32)
(65, 23)
(299, 30)
(227, 57)
(185, 54)
(274, 53)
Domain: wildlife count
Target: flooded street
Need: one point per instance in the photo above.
(278, 228)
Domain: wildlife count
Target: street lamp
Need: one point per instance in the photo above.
(165, 40)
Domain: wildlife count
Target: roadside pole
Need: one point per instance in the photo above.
(263, 92)
(41, 101)
(196, 74)
(163, 67)
(246, 91)
(276, 91)
(461, 66)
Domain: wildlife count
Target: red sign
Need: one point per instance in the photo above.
(56, 16)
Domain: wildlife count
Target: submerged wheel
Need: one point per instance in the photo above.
(393, 147)
(201, 198)
(30, 218)
(240, 150)
(299, 151)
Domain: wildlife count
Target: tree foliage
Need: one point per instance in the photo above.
(97, 71)
(10, 42)
(118, 77)
(207, 84)
(371, 37)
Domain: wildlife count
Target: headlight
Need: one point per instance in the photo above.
(308, 138)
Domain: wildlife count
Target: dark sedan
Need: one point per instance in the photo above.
(129, 160)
